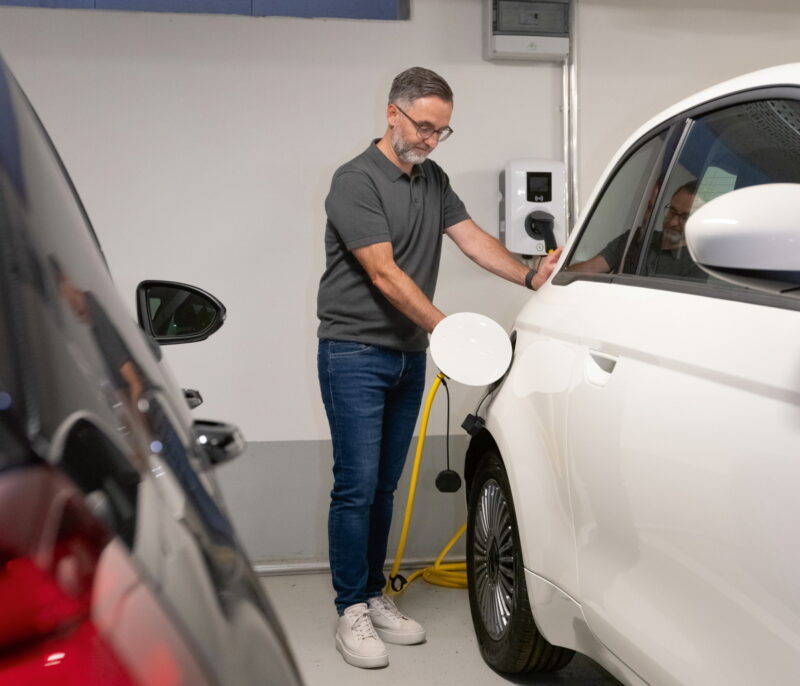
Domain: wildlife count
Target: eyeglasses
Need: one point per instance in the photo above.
(425, 131)
(672, 213)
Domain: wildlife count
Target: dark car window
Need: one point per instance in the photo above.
(743, 145)
(178, 313)
(612, 236)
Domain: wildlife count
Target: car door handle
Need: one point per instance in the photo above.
(599, 367)
(222, 442)
(193, 398)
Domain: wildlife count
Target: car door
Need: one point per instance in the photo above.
(530, 420)
(683, 427)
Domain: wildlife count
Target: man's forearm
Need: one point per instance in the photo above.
(401, 291)
(396, 286)
(489, 253)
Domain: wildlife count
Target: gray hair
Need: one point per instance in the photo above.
(419, 82)
(689, 187)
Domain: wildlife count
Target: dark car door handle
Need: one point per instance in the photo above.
(193, 397)
(222, 442)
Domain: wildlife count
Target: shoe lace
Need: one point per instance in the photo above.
(387, 606)
(362, 627)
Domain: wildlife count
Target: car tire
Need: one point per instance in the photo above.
(501, 614)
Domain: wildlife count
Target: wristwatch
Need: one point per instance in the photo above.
(529, 279)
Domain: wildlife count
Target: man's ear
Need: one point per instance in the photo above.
(392, 115)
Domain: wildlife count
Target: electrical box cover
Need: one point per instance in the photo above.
(526, 29)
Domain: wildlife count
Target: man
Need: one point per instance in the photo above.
(387, 211)
(122, 371)
(668, 254)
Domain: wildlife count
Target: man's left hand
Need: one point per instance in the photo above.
(546, 267)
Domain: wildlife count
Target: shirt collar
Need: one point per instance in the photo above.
(392, 171)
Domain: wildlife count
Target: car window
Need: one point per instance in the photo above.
(177, 312)
(626, 203)
(743, 145)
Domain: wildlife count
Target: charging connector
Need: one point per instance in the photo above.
(473, 424)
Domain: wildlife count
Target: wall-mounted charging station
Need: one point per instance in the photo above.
(533, 214)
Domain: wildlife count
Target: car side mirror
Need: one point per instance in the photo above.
(750, 237)
(222, 442)
(177, 313)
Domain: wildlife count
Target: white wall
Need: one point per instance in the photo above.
(637, 58)
(203, 147)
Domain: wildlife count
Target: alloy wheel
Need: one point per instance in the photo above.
(493, 555)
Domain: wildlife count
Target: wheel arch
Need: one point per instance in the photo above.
(477, 447)
(523, 646)
(539, 487)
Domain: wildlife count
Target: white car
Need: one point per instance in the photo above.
(634, 494)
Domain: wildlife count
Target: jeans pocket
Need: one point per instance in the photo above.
(345, 348)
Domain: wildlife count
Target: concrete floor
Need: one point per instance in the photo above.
(450, 655)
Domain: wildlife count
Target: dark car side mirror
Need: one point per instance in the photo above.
(174, 313)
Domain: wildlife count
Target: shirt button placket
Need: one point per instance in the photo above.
(416, 190)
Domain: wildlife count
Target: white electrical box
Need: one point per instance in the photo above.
(533, 214)
(526, 29)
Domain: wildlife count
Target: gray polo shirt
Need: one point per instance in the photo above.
(672, 262)
(373, 201)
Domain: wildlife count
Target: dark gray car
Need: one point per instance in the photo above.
(118, 564)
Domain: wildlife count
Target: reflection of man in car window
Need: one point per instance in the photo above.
(667, 254)
(122, 371)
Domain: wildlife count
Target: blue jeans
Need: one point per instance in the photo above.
(372, 397)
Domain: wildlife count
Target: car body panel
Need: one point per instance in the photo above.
(539, 478)
(561, 619)
(665, 529)
(649, 428)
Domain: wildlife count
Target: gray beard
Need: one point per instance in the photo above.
(405, 151)
(673, 237)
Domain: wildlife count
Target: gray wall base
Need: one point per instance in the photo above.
(278, 493)
(291, 568)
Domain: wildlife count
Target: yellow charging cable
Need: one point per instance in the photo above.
(451, 575)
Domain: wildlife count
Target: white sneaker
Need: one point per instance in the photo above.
(391, 624)
(357, 641)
